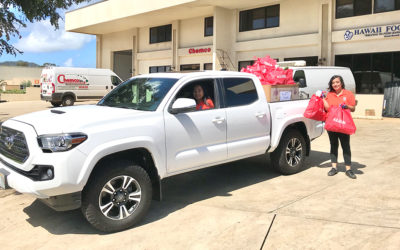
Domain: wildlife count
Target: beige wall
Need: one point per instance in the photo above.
(115, 42)
(15, 75)
(368, 105)
(192, 33)
(295, 19)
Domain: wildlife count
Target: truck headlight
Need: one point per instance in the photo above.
(60, 142)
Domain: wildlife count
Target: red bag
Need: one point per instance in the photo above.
(340, 120)
(315, 109)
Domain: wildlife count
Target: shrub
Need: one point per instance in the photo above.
(26, 84)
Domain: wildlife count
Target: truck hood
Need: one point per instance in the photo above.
(74, 119)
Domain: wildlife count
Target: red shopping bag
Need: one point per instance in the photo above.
(315, 109)
(340, 120)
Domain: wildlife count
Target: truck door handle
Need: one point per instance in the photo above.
(260, 115)
(218, 120)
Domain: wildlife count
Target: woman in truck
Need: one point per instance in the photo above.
(202, 100)
(339, 96)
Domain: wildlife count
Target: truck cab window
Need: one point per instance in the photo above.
(207, 85)
(239, 91)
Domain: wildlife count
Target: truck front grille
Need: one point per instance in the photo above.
(13, 144)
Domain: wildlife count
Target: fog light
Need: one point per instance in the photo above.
(50, 173)
(43, 172)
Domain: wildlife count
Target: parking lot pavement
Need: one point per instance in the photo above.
(245, 205)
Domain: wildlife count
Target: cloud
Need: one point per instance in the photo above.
(68, 63)
(42, 37)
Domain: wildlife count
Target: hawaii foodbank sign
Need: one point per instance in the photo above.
(392, 30)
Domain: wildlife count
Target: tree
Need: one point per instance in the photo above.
(48, 64)
(22, 63)
(15, 13)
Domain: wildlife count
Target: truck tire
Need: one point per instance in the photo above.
(68, 100)
(117, 197)
(56, 104)
(288, 158)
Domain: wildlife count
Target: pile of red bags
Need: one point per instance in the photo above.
(269, 72)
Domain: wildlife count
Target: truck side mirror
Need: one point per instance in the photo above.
(183, 105)
(302, 83)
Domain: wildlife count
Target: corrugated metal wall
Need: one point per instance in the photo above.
(391, 100)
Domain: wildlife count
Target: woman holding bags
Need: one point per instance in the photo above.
(338, 96)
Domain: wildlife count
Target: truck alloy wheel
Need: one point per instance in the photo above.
(293, 152)
(117, 196)
(289, 156)
(120, 197)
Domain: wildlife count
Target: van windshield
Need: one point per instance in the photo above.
(139, 93)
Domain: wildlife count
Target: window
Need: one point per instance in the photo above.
(115, 80)
(349, 8)
(299, 74)
(244, 64)
(208, 26)
(239, 91)
(160, 34)
(155, 69)
(372, 71)
(260, 18)
(190, 67)
(310, 60)
(386, 5)
(139, 93)
(208, 66)
(208, 86)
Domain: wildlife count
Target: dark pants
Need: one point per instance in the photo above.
(334, 138)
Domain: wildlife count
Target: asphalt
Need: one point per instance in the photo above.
(241, 205)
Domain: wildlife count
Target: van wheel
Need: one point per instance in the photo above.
(290, 155)
(68, 101)
(117, 197)
(56, 104)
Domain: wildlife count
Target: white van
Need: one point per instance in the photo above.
(64, 85)
(311, 78)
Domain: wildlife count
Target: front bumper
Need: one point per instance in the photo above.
(66, 165)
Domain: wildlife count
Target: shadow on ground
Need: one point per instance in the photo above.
(322, 160)
(178, 192)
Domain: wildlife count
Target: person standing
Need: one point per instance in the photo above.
(339, 96)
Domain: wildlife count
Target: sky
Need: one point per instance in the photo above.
(41, 43)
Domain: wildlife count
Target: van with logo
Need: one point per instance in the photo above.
(65, 85)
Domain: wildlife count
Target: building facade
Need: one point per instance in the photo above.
(14, 76)
(138, 37)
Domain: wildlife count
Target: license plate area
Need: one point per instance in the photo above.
(3, 179)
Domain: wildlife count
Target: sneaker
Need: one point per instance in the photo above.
(332, 172)
(350, 174)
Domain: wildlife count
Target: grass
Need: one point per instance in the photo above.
(13, 91)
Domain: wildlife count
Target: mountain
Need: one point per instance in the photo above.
(19, 63)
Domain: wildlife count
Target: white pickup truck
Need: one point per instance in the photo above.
(110, 158)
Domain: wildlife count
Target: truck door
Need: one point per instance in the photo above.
(196, 139)
(248, 118)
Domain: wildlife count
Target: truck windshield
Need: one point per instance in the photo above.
(139, 93)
